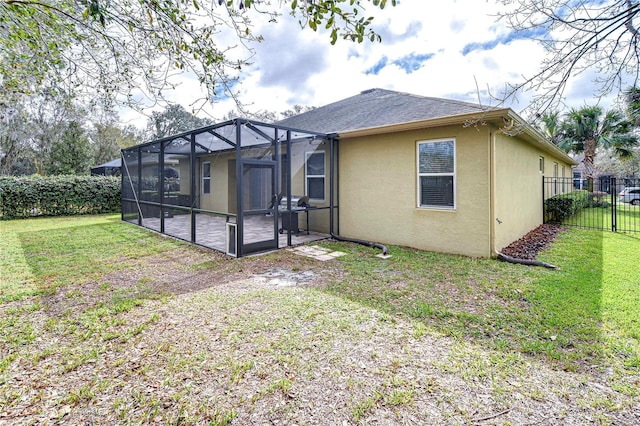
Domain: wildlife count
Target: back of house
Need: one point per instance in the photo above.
(435, 174)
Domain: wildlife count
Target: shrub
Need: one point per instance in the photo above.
(597, 199)
(22, 197)
(563, 206)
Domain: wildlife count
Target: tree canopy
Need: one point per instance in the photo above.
(71, 154)
(594, 36)
(173, 120)
(589, 129)
(130, 48)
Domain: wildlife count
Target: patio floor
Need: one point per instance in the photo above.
(211, 230)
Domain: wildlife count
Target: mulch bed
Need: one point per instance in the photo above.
(533, 242)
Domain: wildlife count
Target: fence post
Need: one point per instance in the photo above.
(614, 204)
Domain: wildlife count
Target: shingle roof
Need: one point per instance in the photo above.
(377, 107)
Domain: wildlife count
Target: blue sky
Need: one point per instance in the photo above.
(456, 51)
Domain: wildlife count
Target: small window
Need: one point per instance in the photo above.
(541, 164)
(314, 170)
(436, 173)
(206, 177)
(555, 178)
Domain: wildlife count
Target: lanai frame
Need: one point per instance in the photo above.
(152, 195)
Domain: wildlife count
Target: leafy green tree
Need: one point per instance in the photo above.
(585, 130)
(268, 116)
(130, 47)
(13, 140)
(578, 36)
(48, 118)
(71, 154)
(108, 138)
(173, 120)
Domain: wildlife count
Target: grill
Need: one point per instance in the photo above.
(289, 219)
(297, 203)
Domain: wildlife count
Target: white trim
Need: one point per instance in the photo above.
(452, 174)
(207, 177)
(307, 154)
(232, 250)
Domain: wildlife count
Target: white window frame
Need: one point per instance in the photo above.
(307, 176)
(555, 178)
(206, 178)
(541, 164)
(453, 174)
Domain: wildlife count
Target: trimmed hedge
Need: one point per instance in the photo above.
(563, 206)
(22, 197)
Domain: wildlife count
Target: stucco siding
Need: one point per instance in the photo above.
(379, 192)
(318, 219)
(223, 195)
(518, 187)
(218, 198)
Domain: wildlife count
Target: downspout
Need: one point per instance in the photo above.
(382, 247)
(492, 192)
(492, 207)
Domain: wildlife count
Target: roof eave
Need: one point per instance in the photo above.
(499, 117)
(419, 124)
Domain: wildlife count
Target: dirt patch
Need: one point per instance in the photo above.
(245, 341)
(533, 242)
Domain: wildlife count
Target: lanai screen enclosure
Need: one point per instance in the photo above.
(240, 186)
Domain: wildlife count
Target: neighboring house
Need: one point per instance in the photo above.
(110, 168)
(381, 166)
(436, 174)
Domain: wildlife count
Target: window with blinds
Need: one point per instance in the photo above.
(315, 175)
(206, 177)
(436, 173)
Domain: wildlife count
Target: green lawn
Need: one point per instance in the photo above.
(586, 312)
(44, 253)
(84, 297)
(627, 218)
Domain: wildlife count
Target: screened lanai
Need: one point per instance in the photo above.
(240, 186)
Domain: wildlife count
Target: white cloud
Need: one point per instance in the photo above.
(294, 66)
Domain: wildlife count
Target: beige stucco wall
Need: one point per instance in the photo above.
(518, 187)
(378, 192)
(318, 219)
(223, 184)
(185, 176)
(218, 199)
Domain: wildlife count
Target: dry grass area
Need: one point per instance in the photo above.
(188, 337)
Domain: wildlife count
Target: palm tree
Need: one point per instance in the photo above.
(585, 130)
(550, 125)
(632, 101)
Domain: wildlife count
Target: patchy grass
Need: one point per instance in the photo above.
(38, 255)
(587, 311)
(105, 323)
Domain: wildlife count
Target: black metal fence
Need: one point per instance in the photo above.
(605, 203)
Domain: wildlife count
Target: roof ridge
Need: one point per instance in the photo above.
(375, 107)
